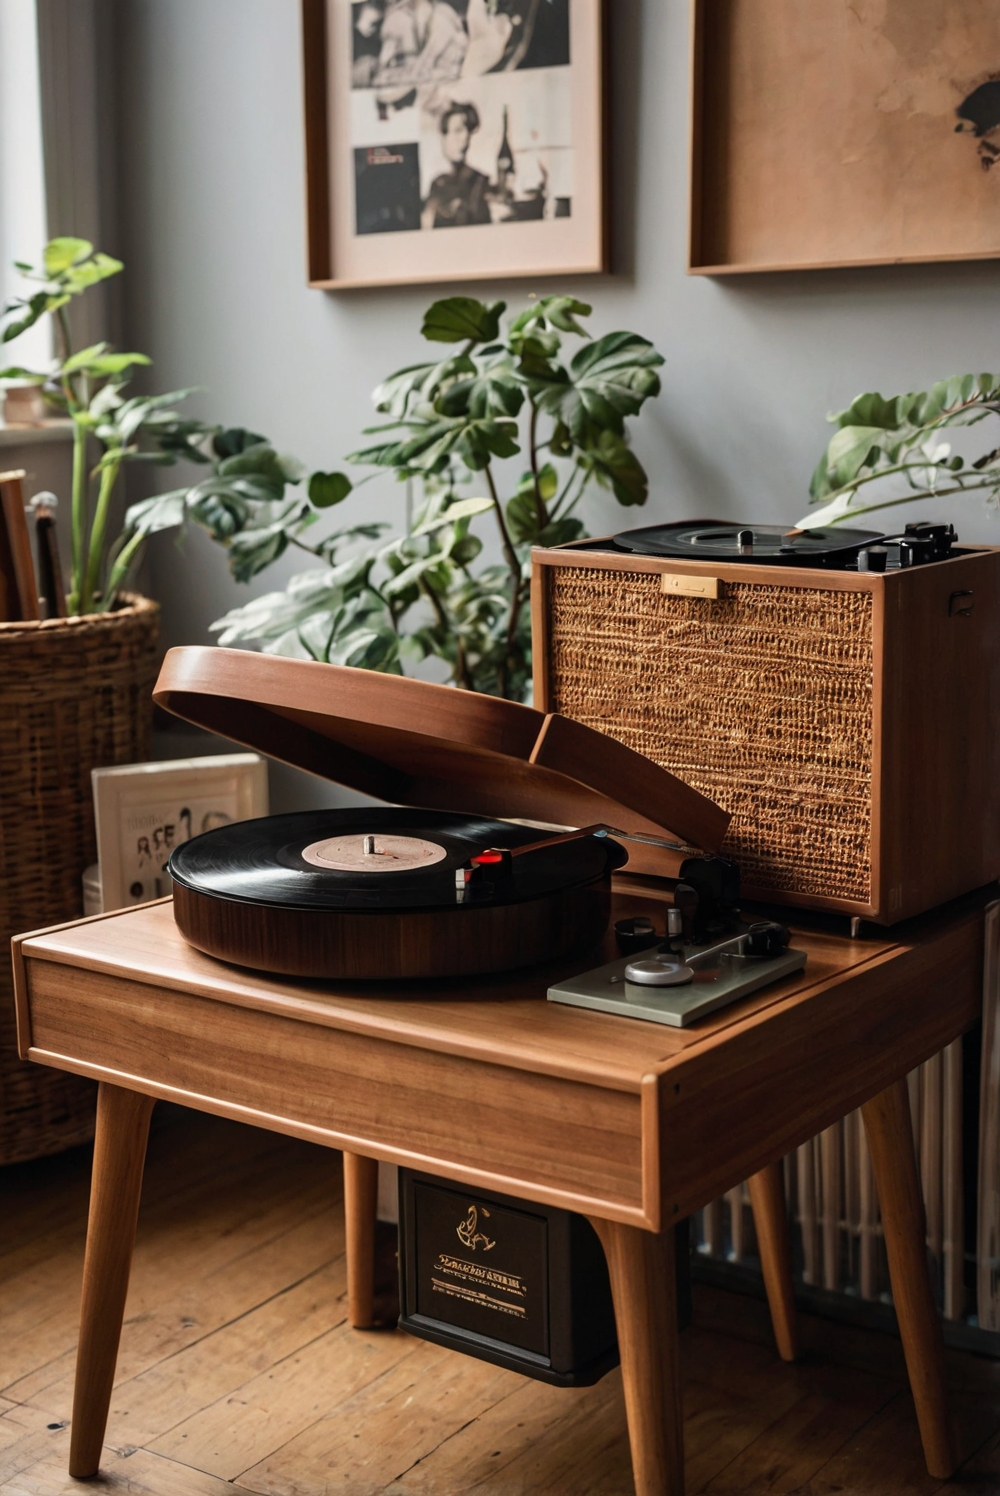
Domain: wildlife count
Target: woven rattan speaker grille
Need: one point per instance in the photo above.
(75, 694)
(761, 699)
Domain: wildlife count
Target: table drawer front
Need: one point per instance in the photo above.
(571, 1142)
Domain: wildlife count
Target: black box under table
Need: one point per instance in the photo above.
(512, 1282)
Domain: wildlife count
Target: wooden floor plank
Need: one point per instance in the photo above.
(47, 1198)
(174, 1248)
(200, 1308)
(385, 1428)
(884, 1458)
(262, 1415)
(798, 1444)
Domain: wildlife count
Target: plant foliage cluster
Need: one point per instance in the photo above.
(891, 451)
(88, 387)
(449, 428)
(385, 602)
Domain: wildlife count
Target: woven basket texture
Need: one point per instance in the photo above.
(75, 694)
(762, 700)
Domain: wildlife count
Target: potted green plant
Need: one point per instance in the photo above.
(74, 692)
(389, 602)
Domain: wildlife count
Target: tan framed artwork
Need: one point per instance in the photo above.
(454, 140)
(843, 132)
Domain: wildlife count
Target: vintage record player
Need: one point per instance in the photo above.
(432, 884)
(837, 691)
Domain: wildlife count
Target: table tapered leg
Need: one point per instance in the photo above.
(890, 1140)
(360, 1209)
(642, 1269)
(119, 1155)
(770, 1218)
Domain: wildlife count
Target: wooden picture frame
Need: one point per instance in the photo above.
(530, 129)
(828, 134)
(162, 805)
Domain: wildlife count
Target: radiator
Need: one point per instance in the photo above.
(832, 1203)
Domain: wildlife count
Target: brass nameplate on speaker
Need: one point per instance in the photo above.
(675, 584)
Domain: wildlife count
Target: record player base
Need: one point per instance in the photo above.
(629, 1124)
(379, 944)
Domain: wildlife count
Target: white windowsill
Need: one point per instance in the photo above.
(30, 436)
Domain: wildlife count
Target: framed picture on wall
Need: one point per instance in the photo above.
(144, 811)
(835, 133)
(454, 140)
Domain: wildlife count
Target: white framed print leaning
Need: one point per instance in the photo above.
(454, 140)
(144, 811)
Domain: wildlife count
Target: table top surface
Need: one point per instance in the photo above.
(483, 1080)
(482, 1016)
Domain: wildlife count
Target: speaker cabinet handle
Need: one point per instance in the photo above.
(676, 584)
(960, 605)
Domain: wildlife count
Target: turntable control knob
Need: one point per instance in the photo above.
(873, 558)
(745, 540)
(659, 971)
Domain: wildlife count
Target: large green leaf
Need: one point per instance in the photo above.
(35, 307)
(328, 489)
(97, 361)
(166, 511)
(607, 380)
(80, 278)
(871, 410)
(850, 451)
(616, 466)
(525, 521)
(495, 391)
(560, 311)
(236, 439)
(61, 253)
(253, 549)
(398, 394)
(462, 319)
(262, 464)
(459, 510)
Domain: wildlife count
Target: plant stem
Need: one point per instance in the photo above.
(119, 570)
(79, 514)
(514, 567)
(98, 530)
(913, 498)
(62, 321)
(558, 510)
(510, 555)
(540, 509)
(459, 673)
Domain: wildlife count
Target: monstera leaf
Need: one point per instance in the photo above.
(607, 380)
(462, 319)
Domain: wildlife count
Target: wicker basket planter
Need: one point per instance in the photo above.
(74, 695)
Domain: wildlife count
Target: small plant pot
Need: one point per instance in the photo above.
(26, 405)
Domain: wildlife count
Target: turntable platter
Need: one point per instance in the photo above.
(775, 545)
(373, 892)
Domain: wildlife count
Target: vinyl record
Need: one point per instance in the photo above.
(769, 545)
(377, 859)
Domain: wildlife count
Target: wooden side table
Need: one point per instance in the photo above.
(483, 1082)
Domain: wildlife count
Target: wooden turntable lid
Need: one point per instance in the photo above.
(411, 743)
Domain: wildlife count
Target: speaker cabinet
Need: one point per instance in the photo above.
(848, 721)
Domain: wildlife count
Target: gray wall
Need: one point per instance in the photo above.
(212, 234)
